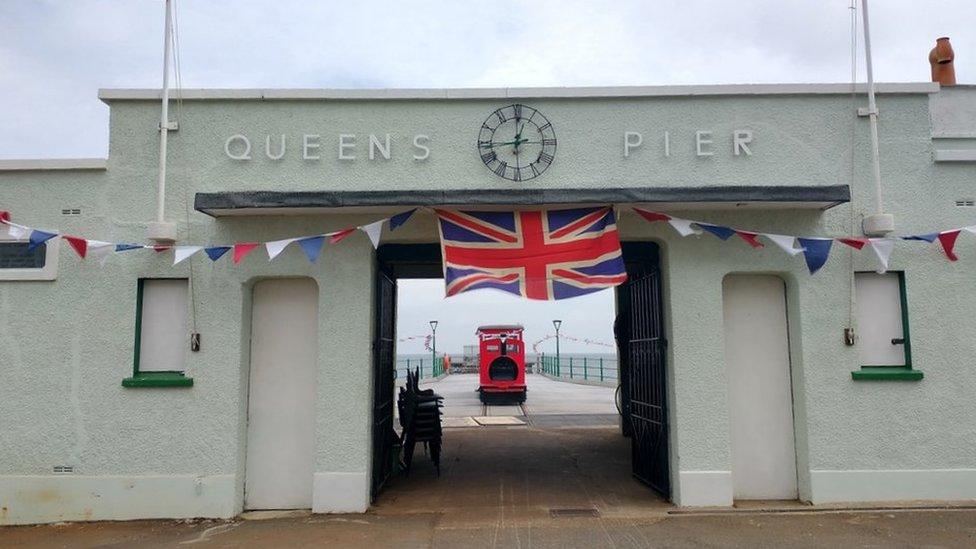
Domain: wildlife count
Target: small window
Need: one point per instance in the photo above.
(17, 262)
(18, 255)
(162, 335)
(883, 343)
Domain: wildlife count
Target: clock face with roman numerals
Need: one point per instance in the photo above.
(517, 142)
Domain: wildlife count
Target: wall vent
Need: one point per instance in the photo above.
(70, 211)
(64, 469)
(965, 203)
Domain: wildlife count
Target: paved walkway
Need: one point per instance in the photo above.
(944, 528)
(545, 397)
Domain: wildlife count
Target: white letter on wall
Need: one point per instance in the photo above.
(702, 139)
(740, 140)
(310, 142)
(374, 145)
(267, 148)
(632, 140)
(347, 141)
(246, 155)
(667, 144)
(423, 150)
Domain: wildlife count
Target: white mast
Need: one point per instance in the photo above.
(160, 230)
(880, 223)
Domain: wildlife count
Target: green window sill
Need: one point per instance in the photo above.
(158, 379)
(886, 373)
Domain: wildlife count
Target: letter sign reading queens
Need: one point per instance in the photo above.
(517, 142)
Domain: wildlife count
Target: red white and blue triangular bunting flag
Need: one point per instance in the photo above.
(277, 246)
(312, 246)
(683, 226)
(924, 237)
(100, 250)
(652, 216)
(750, 238)
(400, 219)
(183, 252)
(338, 236)
(854, 242)
(39, 237)
(721, 232)
(216, 252)
(241, 249)
(373, 231)
(815, 251)
(17, 232)
(785, 242)
(948, 241)
(882, 250)
(78, 244)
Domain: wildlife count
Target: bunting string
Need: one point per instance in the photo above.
(586, 341)
(425, 338)
(311, 245)
(815, 250)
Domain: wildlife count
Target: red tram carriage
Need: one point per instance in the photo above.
(502, 364)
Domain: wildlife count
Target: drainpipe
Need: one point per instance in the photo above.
(879, 223)
(161, 231)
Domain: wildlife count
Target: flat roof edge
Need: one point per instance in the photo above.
(49, 164)
(220, 203)
(108, 95)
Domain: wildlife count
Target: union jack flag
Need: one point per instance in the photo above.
(540, 254)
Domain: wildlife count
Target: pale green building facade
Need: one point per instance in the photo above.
(78, 445)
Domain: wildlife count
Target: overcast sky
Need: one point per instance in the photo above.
(55, 54)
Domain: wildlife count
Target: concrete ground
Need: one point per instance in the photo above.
(545, 397)
(885, 528)
(561, 479)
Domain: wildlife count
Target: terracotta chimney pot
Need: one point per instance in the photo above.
(941, 58)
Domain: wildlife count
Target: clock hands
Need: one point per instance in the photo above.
(518, 140)
(493, 144)
(515, 143)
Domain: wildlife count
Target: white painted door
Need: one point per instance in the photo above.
(281, 395)
(757, 361)
(879, 319)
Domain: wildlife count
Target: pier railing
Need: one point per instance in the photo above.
(427, 367)
(580, 367)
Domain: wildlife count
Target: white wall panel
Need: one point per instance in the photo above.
(757, 361)
(165, 337)
(879, 319)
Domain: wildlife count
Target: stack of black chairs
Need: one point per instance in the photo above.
(420, 418)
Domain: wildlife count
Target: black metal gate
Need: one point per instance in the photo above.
(394, 261)
(644, 387)
(384, 436)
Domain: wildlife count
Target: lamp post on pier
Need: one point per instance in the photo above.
(433, 345)
(556, 324)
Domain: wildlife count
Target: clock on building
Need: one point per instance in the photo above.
(517, 142)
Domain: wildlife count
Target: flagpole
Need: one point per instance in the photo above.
(880, 223)
(161, 231)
